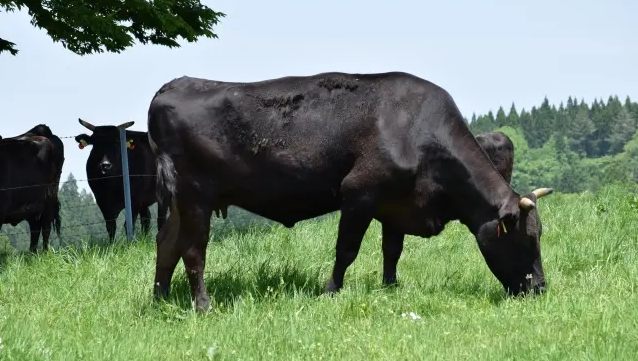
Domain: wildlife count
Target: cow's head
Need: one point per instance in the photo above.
(511, 244)
(105, 156)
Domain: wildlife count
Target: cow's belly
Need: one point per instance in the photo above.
(408, 218)
(20, 212)
(288, 208)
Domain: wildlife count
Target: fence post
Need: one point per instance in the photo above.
(126, 180)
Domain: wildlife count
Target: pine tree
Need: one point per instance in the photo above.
(561, 148)
(598, 115)
(580, 131)
(632, 108)
(544, 123)
(528, 127)
(614, 105)
(482, 124)
(572, 107)
(512, 117)
(561, 121)
(501, 118)
(622, 129)
(491, 117)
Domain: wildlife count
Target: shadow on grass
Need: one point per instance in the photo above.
(474, 290)
(265, 283)
(477, 289)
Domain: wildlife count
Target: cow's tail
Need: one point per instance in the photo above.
(166, 179)
(166, 186)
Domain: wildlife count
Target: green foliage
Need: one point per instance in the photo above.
(94, 26)
(572, 148)
(5, 245)
(96, 304)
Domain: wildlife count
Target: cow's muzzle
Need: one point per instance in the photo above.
(105, 166)
(527, 288)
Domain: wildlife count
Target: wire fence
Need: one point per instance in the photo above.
(82, 222)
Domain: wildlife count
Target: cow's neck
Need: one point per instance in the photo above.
(483, 191)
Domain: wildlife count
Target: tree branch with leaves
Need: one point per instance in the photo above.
(95, 26)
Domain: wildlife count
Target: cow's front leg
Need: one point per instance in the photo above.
(353, 223)
(35, 227)
(392, 245)
(111, 225)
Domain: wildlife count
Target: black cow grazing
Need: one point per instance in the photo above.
(500, 150)
(104, 172)
(388, 146)
(30, 171)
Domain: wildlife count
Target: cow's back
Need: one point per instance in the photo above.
(293, 118)
(27, 176)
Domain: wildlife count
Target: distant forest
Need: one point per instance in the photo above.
(571, 147)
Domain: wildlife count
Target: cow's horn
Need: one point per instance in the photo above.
(87, 125)
(541, 192)
(125, 125)
(526, 203)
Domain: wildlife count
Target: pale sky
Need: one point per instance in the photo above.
(485, 53)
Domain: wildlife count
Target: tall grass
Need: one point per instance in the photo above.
(96, 304)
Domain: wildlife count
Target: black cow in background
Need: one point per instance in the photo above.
(30, 171)
(500, 149)
(104, 173)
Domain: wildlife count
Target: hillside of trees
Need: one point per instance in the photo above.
(571, 147)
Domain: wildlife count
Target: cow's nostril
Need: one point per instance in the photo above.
(105, 166)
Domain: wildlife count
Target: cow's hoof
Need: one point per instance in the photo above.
(390, 281)
(331, 288)
(202, 304)
(160, 292)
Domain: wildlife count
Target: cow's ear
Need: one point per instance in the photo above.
(83, 140)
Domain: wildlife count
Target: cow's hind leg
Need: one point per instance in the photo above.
(194, 215)
(357, 212)
(145, 220)
(392, 245)
(161, 214)
(110, 219)
(168, 254)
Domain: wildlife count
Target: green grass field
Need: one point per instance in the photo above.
(96, 304)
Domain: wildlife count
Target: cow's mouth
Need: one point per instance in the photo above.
(527, 287)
